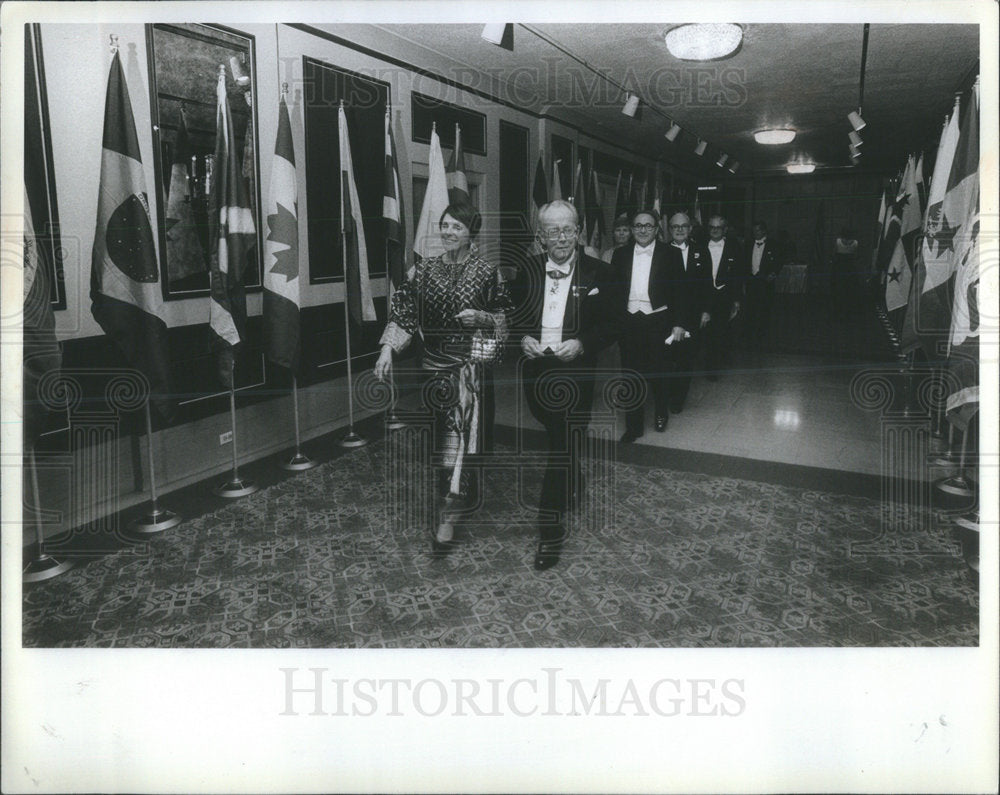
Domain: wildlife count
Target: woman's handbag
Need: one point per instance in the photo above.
(486, 348)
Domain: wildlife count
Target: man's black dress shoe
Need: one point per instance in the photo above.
(628, 437)
(661, 424)
(547, 555)
(441, 548)
(677, 408)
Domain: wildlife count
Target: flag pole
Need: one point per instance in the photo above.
(298, 462)
(392, 420)
(235, 486)
(351, 439)
(156, 519)
(42, 566)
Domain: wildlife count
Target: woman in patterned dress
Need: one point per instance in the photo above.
(448, 299)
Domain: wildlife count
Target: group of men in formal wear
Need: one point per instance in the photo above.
(660, 300)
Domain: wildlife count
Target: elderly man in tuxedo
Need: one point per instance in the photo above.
(565, 310)
(725, 295)
(761, 264)
(663, 296)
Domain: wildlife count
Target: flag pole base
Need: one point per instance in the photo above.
(353, 440)
(958, 486)
(155, 520)
(968, 521)
(393, 422)
(298, 463)
(45, 567)
(237, 487)
(945, 458)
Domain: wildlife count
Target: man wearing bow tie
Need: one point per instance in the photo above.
(725, 294)
(665, 308)
(761, 266)
(566, 310)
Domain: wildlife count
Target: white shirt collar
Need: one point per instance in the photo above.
(566, 267)
(645, 249)
(678, 245)
(717, 242)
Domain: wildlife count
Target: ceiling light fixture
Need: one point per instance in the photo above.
(800, 168)
(502, 35)
(856, 139)
(704, 41)
(773, 137)
(734, 166)
(722, 160)
(673, 132)
(854, 117)
(631, 105)
(700, 148)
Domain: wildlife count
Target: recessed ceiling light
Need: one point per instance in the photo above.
(703, 42)
(772, 137)
(800, 168)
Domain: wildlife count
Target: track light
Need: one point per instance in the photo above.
(722, 160)
(734, 166)
(855, 138)
(502, 35)
(631, 105)
(673, 132)
(700, 148)
(856, 121)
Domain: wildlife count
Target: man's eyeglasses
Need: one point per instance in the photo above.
(644, 227)
(555, 234)
(680, 226)
(715, 226)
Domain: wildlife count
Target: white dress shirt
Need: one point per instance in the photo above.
(715, 248)
(638, 291)
(554, 308)
(758, 253)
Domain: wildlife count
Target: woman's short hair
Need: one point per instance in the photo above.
(623, 220)
(464, 213)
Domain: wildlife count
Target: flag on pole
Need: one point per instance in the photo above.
(595, 211)
(696, 217)
(124, 278)
(659, 191)
(458, 184)
(281, 252)
(621, 203)
(40, 349)
(963, 353)
(879, 229)
(556, 191)
(644, 192)
(427, 235)
(357, 282)
(580, 202)
(185, 255)
(900, 269)
(392, 210)
(921, 184)
(957, 161)
(234, 237)
(539, 197)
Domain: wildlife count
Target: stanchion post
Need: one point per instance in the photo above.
(42, 566)
(235, 486)
(298, 462)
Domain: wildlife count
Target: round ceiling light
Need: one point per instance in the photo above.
(772, 137)
(800, 168)
(704, 41)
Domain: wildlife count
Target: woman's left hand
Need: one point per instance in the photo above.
(472, 318)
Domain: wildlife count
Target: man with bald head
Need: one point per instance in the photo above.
(725, 296)
(565, 312)
(663, 286)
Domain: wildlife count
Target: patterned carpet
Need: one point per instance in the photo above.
(659, 558)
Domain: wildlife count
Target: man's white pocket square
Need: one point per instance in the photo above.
(594, 291)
